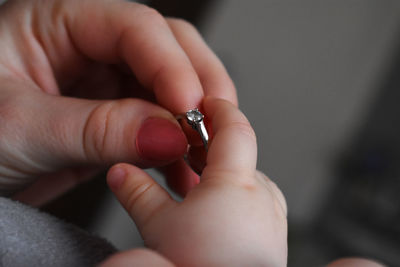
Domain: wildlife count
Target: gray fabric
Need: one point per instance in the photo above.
(29, 237)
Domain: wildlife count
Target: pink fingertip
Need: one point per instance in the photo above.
(116, 177)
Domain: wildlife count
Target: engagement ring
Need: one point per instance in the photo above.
(195, 119)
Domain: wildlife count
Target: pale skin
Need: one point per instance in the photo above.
(97, 50)
(236, 216)
(78, 78)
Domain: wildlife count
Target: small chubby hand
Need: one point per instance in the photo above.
(235, 216)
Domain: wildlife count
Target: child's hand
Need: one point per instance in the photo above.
(235, 217)
(95, 49)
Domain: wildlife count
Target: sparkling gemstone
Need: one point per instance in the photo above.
(194, 115)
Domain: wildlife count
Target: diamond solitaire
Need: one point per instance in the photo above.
(194, 116)
(195, 119)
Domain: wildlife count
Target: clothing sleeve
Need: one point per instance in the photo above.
(29, 237)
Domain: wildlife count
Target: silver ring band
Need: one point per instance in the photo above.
(196, 119)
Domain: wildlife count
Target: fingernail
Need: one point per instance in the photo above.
(116, 177)
(161, 140)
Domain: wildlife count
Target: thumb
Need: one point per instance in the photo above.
(141, 196)
(77, 131)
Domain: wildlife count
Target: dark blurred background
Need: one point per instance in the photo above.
(320, 83)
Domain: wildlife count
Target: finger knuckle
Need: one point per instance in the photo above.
(12, 116)
(106, 133)
(135, 195)
(279, 197)
(225, 176)
(243, 128)
(95, 133)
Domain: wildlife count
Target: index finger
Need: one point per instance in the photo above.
(114, 31)
(233, 148)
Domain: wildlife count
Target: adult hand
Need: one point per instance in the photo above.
(235, 216)
(54, 51)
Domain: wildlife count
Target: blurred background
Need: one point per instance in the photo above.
(320, 83)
